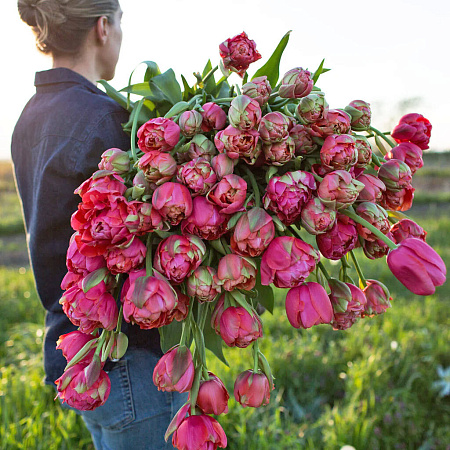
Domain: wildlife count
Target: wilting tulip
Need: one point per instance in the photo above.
(279, 153)
(378, 298)
(308, 305)
(274, 127)
(287, 262)
(252, 389)
(304, 144)
(361, 114)
(338, 241)
(296, 83)
(339, 152)
(413, 128)
(126, 258)
(206, 222)
(157, 167)
(244, 113)
(83, 391)
(286, 194)
(197, 175)
(199, 432)
(398, 200)
(312, 108)
(115, 160)
(148, 301)
(190, 123)
(175, 370)
(237, 143)
(348, 304)
(395, 174)
(238, 53)
(253, 233)
(373, 188)
(173, 201)
(259, 89)
(202, 284)
(213, 396)
(407, 228)
(408, 152)
(364, 152)
(337, 122)
(229, 194)
(214, 117)
(158, 134)
(236, 272)
(375, 215)
(417, 266)
(339, 189)
(178, 256)
(316, 217)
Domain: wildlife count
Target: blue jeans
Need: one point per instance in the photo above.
(136, 415)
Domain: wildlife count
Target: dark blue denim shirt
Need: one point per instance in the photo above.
(56, 145)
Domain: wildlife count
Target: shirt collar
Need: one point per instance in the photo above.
(62, 75)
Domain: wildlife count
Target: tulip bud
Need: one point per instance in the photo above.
(395, 174)
(407, 228)
(213, 396)
(316, 217)
(296, 83)
(312, 108)
(244, 113)
(190, 123)
(120, 346)
(214, 117)
(360, 113)
(259, 89)
(197, 175)
(274, 127)
(202, 284)
(339, 152)
(201, 147)
(375, 215)
(408, 152)
(116, 160)
(157, 167)
(252, 389)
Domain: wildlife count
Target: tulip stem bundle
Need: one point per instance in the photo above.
(383, 136)
(148, 256)
(254, 185)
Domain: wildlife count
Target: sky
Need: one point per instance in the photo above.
(390, 53)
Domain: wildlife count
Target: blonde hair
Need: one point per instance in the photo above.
(61, 26)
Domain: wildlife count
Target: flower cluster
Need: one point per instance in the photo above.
(224, 193)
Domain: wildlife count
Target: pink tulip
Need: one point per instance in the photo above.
(158, 134)
(115, 160)
(339, 152)
(259, 89)
(203, 284)
(408, 152)
(417, 266)
(316, 217)
(157, 167)
(236, 272)
(373, 188)
(312, 108)
(395, 174)
(286, 194)
(237, 144)
(398, 200)
(244, 113)
(337, 122)
(199, 432)
(214, 117)
(79, 264)
(406, 228)
(360, 113)
(376, 216)
(175, 370)
(190, 123)
(296, 83)
(308, 305)
(338, 241)
(213, 396)
(304, 144)
(124, 259)
(181, 310)
(206, 222)
(252, 389)
(253, 233)
(348, 303)
(201, 147)
(413, 128)
(71, 343)
(197, 175)
(102, 187)
(148, 301)
(173, 201)
(274, 127)
(238, 53)
(377, 248)
(378, 298)
(279, 153)
(229, 194)
(178, 256)
(364, 152)
(142, 218)
(287, 262)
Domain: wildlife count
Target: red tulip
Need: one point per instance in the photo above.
(252, 389)
(213, 396)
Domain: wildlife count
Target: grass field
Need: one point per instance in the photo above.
(375, 386)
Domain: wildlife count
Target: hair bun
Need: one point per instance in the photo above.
(28, 10)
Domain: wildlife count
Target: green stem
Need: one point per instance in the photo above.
(255, 356)
(254, 185)
(370, 227)
(324, 271)
(317, 177)
(133, 129)
(273, 95)
(378, 161)
(209, 74)
(101, 341)
(181, 142)
(148, 256)
(358, 269)
(383, 136)
(119, 320)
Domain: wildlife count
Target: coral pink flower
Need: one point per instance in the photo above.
(408, 152)
(148, 301)
(375, 215)
(81, 391)
(378, 298)
(71, 343)
(308, 305)
(361, 114)
(407, 228)
(304, 144)
(175, 370)
(364, 152)
(206, 222)
(236, 272)
(158, 134)
(178, 256)
(253, 233)
(201, 147)
(395, 174)
(417, 266)
(199, 432)
(157, 167)
(79, 264)
(312, 108)
(126, 258)
(274, 127)
(279, 153)
(116, 160)
(377, 248)
(413, 128)
(222, 165)
(238, 144)
(142, 218)
(373, 188)
(229, 194)
(238, 53)
(197, 175)
(398, 200)
(339, 152)
(287, 262)
(101, 188)
(213, 396)
(214, 117)
(252, 389)
(337, 122)
(173, 201)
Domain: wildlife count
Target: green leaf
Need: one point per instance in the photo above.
(213, 342)
(320, 70)
(114, 94)
(210, 85)
(143, 89)
(170, 335)
(168, 84)
(272, 67)
(152, 70)
(177, 109)
(188, 92)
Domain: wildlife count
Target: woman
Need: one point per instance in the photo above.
(56, 145)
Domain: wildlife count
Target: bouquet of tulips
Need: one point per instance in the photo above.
(226, 191)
